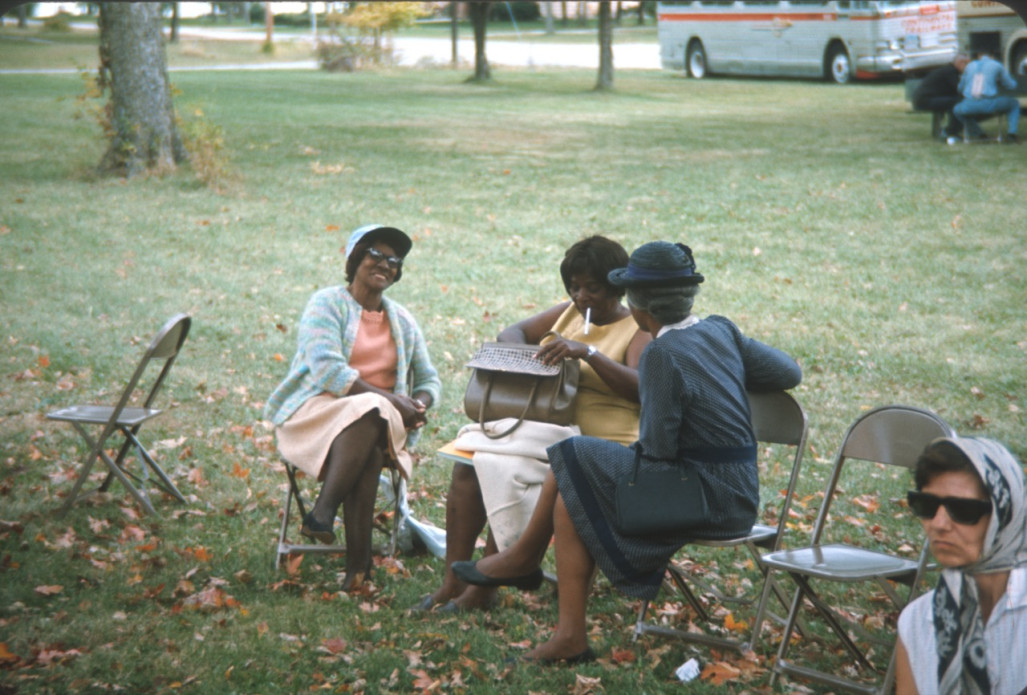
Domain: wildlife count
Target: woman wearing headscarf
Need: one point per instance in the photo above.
(693, 379)
(969, 635)
(357, 392)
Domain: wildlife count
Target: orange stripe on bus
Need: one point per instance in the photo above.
(750, 17)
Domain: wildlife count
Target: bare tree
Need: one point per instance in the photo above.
(454, 31)
(479, 12)
(605, 80)
(173, 35)
(133, 65)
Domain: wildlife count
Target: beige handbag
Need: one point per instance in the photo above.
(508, 381)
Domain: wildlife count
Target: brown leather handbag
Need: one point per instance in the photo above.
(508, 381)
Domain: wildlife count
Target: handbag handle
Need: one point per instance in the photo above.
(520, 419)
(638, 459)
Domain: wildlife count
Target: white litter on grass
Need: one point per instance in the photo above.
(688, 671)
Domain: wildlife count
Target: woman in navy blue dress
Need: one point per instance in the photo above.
(693, 379)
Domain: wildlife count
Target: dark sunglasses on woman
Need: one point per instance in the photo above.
(394, 262)
(962, 510)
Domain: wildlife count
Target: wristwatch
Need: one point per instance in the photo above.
(592, 350)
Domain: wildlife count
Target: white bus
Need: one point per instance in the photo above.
(837, 41)
(994, 27)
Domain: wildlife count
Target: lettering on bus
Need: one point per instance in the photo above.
(929, 25)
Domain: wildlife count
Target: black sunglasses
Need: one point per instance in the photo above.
(962, 510)
(395, 262)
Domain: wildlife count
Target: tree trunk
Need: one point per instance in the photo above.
(549, 17)
(174, 23)
(454, 30)
(23, 16)
(641, 13)
(605, 80)
(563, 13)
(133, 65)
(269, 28)
(479, 19)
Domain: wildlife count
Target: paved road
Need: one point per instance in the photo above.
(520, 52)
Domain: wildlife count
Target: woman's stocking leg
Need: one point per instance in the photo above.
(574, 572)
(465, 518)
(347, 458)
(527, 551)
(358, 517)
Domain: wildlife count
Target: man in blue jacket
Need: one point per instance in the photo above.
(980, 89)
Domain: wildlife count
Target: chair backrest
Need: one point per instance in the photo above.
(893, 435)
(777, 418)
(164, 346)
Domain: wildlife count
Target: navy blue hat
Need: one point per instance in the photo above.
(658, 263)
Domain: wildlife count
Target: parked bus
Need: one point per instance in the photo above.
(994, 27)
(837, 41)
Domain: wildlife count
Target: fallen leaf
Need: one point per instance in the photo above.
(49, 589)
(622, 656)
(586, 685)
(6, 657)
(334, 645)
(719, 672)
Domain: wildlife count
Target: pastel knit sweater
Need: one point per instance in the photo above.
(327, 332)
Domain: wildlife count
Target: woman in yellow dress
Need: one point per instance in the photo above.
(595, 327)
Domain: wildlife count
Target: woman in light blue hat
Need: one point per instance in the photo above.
(357, 392)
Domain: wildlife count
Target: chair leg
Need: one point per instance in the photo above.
(640, 621)
(168, 486)
(282, 545)
(97, 452)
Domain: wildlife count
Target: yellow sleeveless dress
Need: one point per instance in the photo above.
(598, 411)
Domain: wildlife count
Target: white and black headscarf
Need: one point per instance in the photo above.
(959, 630)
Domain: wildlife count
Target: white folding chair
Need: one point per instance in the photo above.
(127, 420)
(777, 418)
(893, 436)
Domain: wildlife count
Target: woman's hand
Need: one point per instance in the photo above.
(561, 349)
(412, 410)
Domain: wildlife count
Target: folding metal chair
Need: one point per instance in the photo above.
(393, 489)
(126, 420)
(777, 418)
(894, 436)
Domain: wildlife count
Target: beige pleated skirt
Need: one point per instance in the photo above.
(305, 438)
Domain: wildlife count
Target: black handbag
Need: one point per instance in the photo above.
(658, 502)
(508, 381)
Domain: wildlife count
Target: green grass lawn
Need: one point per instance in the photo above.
(826, 222)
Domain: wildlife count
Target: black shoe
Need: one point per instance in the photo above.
(1011, 139)
(584, 657)
(322, 533)
(424, 605)
(468, 572)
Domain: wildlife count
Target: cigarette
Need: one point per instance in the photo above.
(588, 318)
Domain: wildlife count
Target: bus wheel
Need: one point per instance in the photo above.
(1019, 64)
(837, 67)
(695, 60)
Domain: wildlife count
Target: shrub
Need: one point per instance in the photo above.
(205, 142)
(521, 11)
(59, 23)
